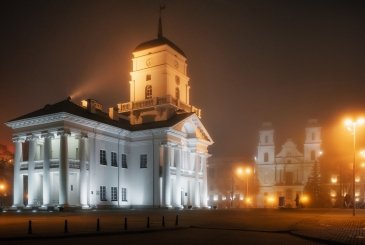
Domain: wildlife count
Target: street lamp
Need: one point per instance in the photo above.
(247, 172)
(351, 126)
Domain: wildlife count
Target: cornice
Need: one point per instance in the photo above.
(67, 117)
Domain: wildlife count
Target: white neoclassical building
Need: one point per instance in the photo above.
(149, 152)
(284, 174)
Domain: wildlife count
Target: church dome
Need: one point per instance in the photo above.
(159, 42)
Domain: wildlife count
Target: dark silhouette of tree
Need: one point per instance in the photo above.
(6, 175)
(316, 189)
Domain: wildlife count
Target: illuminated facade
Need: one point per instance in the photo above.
(283, 175)
(148, 152)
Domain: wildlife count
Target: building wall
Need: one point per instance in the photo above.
(179, 183)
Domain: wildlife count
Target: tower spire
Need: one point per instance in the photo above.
(159, 34)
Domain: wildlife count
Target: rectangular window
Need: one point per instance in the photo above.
(114, 192)
(143, 161)
(124, 161)
(103, 157)
(124, 194)
(102, 193)
(114, 161)
(148, 77)
(77, 154)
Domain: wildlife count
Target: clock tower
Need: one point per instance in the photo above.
(159, 85)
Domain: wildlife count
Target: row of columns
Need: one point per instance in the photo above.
(63, 170)
(199, 198)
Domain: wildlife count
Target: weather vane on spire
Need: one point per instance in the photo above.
(162, 7)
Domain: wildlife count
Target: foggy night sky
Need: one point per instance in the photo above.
(249, 62)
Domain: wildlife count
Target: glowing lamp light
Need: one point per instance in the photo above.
(248, 200)
(223, 198)
(215, 197)
(239, 171)
(2, 187)
(248, 171)
(350, 124)
(333, 193)
(357, 179)
(357, 194)
(270, 199)
(304, 199)
(362, 164)
(357, 199)
(84, 103)
(334, 180)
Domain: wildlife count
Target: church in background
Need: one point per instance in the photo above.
(283, 175)
(149, 152)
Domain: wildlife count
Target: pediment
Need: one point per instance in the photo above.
(192, 128)
(289, 149)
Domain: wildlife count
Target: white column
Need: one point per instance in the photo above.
(31, 164)
(47, 151)
(18, 180)
(178, 179)
(83, 171)
(63, 168)
(204, 193)
(166, 190)
(196, 199)
(171, 152)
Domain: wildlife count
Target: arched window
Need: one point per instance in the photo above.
(266, 157)
(313, 155)
(148, 92)
(177, 93)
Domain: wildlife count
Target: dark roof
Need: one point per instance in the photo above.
(158, 42)
(70, 107)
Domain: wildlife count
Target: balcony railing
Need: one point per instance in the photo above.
(157, 101)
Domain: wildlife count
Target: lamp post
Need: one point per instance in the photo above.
(232, 186)
(2, 188)
(352, 126)
(248, 173)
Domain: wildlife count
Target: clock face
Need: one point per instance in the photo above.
(148, 62)
(176, 64)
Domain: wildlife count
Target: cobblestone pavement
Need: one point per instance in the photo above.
(321, 226)
(340, 230)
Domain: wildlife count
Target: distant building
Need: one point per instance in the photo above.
(282, 175)
(231, 182)
(148, 152)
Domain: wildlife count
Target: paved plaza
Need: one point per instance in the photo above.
(249, 226)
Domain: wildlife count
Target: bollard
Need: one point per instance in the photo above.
(177, 220)
(66, 227)
(97, 225)
(30, 227)
(125, 223)
(148, 221)
(163, 221)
